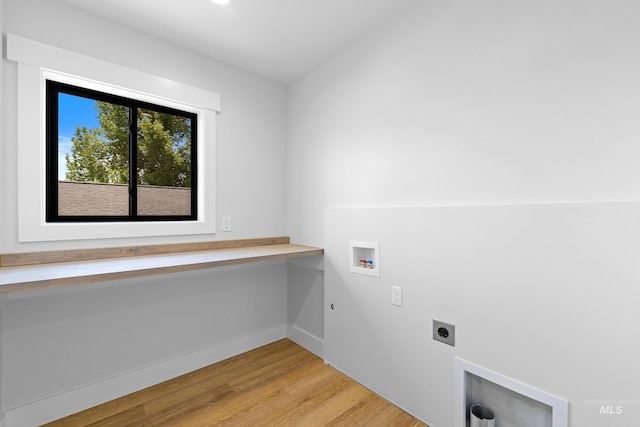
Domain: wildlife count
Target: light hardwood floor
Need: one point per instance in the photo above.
(280, 384)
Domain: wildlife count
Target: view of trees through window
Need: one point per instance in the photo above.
(101, 154)
(111, 142)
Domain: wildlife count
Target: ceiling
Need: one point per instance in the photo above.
(278, 39)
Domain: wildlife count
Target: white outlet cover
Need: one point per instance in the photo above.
(396, 296)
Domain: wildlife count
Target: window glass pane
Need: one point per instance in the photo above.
(163, 163)
(118, 159)
(93, 141)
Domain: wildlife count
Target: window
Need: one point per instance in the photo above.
(38, 63)
(112, 158)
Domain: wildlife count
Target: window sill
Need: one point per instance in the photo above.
(49, 275)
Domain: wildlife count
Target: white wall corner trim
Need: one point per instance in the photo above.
(62, 405)
(38, 61)
(305, 339)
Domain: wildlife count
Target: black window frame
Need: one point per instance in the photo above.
(53, 89)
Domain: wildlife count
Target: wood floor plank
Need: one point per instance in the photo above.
(334, 406)
(280, 384)
(129, 417)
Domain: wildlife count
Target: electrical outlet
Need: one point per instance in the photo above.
(444, 332)
(226, 223)
(396, 296)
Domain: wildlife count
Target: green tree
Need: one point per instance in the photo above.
(102, 154)
(164, 149)
(89, 159)
(114, 129)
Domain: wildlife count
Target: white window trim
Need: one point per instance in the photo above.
(37, 62)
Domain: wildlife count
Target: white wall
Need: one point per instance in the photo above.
(479, 103)
(305, 310)
(251, 146)
(66, 341)
(543, 294)
(471, 102)
(60, 342)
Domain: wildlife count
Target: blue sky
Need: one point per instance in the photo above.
(73, 111)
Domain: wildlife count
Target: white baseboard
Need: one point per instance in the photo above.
(77, 400)
(309, 341)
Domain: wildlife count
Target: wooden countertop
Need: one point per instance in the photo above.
(36, 276)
